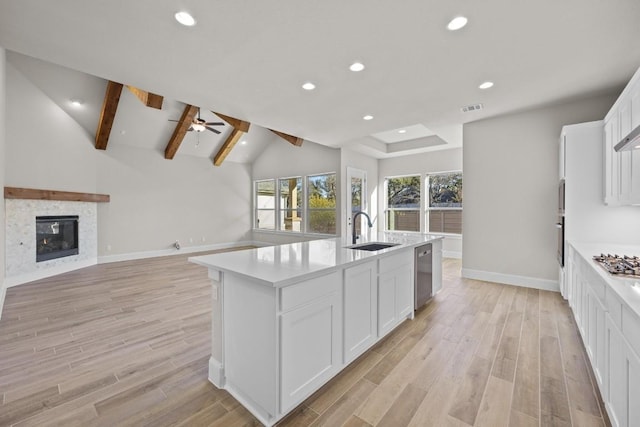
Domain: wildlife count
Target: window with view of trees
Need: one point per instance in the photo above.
(265, 203)
(321, 204)
(284, 204)
(403, 203)
(445, 202)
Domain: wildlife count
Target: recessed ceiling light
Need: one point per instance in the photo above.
(356, 66)
(76, 102)
(486, 85)
(308, 86)
(367, 117)
(185, 19)
(243, 142)
(402, 131)
(457, 23)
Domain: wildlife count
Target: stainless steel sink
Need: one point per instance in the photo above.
(373, 246)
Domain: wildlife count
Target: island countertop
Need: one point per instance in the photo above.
(283, 265)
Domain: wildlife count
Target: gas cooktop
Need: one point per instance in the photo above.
(620, 265)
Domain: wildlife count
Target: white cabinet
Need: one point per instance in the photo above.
(623, 366)
(611, 161)
(360, 309)
(437, 266)
(395, 290)
(310, 348)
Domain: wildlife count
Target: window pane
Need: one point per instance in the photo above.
(403, 192)
(265, 204)
(408, 220)
(322, 204)
(291, 204)
(445, 190)
(445, 221)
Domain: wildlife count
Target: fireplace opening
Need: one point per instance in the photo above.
(56, 237)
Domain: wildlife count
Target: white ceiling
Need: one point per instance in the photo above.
(249, 59)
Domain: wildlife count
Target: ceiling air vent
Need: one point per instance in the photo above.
(474, 107)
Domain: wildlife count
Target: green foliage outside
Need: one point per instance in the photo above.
(322, 204)
(445, 190)
(403, 192)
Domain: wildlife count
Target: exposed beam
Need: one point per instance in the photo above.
(180, 131)
(109, 107)
(228, 145)
(149, 99)
(235, 123)
(69, 196)
(293, 140)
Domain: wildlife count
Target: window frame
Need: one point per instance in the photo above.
(304, 226)
(387, 209)
(428, 208)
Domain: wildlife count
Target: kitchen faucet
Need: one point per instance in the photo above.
(353, 225)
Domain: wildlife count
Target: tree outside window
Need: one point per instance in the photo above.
(445, 202)
(265, 202)
(403, 203)
(321, 208)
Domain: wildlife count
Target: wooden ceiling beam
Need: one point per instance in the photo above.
(147, 98)
(293, 140)
(108, 114)
(180, 131)
(240, 127)
(228, 145)
(234, 123)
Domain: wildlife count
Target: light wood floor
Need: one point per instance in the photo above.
(128, 344)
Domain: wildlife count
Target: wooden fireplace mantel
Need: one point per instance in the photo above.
(66, 196)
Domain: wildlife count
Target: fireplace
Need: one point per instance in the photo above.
(56, 237)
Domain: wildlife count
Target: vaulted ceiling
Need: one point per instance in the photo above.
(248, 60)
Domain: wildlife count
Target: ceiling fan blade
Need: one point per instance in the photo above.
(213, 130)
(214, 124)
(190, 129)
(171, 120)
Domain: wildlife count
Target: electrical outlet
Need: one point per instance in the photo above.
(204, 239)
(108, 248)
(190, 239)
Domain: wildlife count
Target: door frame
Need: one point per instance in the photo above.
(362, 174)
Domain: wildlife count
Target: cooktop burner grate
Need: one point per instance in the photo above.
(621, 265)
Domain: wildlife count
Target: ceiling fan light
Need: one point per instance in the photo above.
(185, 19)
(198, 127)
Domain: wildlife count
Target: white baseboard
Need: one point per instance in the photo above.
(216, 373)
(105, 259)
(48, 272)
(511, 279)
(452, 254)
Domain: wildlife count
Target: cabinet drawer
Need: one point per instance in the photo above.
(308, 290)
(631, 329)
(391, 262)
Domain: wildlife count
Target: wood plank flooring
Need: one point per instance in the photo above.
(127, 344)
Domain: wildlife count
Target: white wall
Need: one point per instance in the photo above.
(423, 164)
(353, 159)
(2, 172)
(510, 192)
(154, 201)
(281, 159)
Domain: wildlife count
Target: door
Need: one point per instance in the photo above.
(356, 198)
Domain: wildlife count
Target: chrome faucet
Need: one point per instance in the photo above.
(353, 225)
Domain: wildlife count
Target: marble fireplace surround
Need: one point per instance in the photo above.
(22, 206)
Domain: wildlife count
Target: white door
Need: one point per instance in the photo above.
(356, 198)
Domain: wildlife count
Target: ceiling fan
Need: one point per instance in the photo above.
(200, 125)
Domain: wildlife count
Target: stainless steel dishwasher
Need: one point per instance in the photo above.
(423, 274)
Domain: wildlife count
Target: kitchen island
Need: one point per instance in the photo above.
(286, 319)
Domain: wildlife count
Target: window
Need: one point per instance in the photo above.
(403, 203)
(290, 204)
(265, 204)
(321, 204)
(445, 202)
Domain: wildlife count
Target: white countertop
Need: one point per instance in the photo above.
(623, 287)
(284, 265)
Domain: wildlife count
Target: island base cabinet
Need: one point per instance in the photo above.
(395, 290)
(310, 348)
(360, 309)
(623, 402)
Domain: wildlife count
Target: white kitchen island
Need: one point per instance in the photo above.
(286, 319)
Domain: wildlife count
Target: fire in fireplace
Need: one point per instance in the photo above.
(56, 237)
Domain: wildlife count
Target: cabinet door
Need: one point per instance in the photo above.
(624, 379)
(611, 160)
(360, 309)
(626, 157)
(386, 303)
(437, 266)
(404, 291)
(310, 348)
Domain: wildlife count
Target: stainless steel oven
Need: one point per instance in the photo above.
(560, 227)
